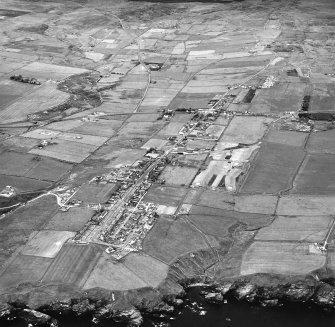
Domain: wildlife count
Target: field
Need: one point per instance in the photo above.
(171, 238)
(171, 129)
(280, 258)
(45, 134)
(46, 243)
(150, 270)
(306, 205)
(245, 130)
(31, 217)
(308, 229)
(289, 138)
(322, 142)
(215, 131)
(100, 128)
(170, 196)
(263, 204)
(284, 97)
(73, 264)
(119, 157)
(140, 128)
(216, 199)
(72, 220)
(176, 175)
(316, 175)
(23, 184)
(274, 168)
(94, 193)
(24, 269)
(113, 276)
(251, 220)
(43, 71)
(213, 225)
(154, 143)
(66, 151)
(41, 99)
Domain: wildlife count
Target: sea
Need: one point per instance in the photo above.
(232, 313)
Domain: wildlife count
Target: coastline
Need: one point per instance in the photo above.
(130, 307)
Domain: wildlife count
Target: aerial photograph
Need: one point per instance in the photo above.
(167, 163)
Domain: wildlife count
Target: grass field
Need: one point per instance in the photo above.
(213, 225)
(263, 204)
(46, 243)
(280, 258)
(251, 220)
(316, 175)
(43, 98)
(119, 157)
(170, 196)
(176, 175)
(245, 130)
(217, 199)
(66, 150)
(24, 269)
(140, 128)
(308, 229)
(172, 129)
(95, 193)
(171, 238)
(43, 71)
(73, 264)
(290, 138)
(31, 217)
(274, 168)
(322, 142)
(23, 184)
(150, 270)
(154, 143)
(306, 205)
(113, 276)
(72, 220)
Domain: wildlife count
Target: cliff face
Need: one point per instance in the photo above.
(130, 306)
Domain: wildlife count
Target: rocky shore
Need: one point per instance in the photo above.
(131, 306)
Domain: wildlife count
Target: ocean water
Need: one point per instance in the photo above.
(197, 313)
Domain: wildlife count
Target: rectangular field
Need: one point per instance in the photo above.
(46, 243)
(24, 269)
(301, 228)
(43, 98)
(66, 150)
(73, 220)
(113, 276)
(43, 71)
(73, 264)
(292, 258)
(274, 168)
(176, 175)
(245, 130)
